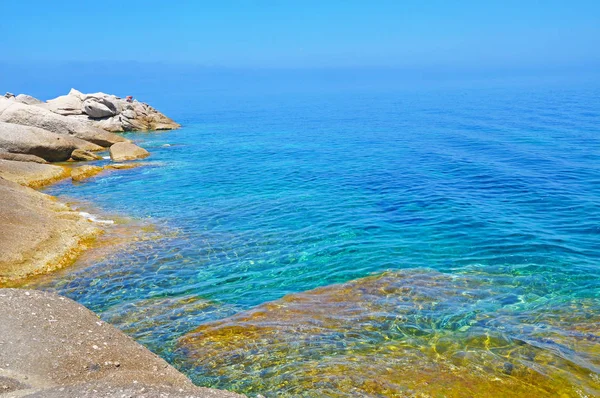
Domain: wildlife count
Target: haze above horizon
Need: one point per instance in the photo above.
(307, 34)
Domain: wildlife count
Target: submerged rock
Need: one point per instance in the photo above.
(54, 347)
(83, 172)
(127, 151)
(125, 166)
(400, 333)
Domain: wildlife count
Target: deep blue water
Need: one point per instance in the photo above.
(259, 196)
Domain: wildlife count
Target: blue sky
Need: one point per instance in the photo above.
(306, 34)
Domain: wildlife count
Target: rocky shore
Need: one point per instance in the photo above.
(51, 346)
(39, 234)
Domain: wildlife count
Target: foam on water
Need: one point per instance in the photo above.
(94, 218)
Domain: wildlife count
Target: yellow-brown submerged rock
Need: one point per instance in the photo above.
(83, 172)
(384, 336)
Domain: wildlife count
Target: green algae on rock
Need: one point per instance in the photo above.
(403, 333)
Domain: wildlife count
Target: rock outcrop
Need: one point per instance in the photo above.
(38, 234)
(39, 142)
(33, 133)
(127, 151)
(81, 155)
(4, 154)
(64, 105)
(35, 116)
(110, 112)
(27, 99)
(31, 174)
(54, 347)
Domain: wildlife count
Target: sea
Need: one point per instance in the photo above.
(416, 239)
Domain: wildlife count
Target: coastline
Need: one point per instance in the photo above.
(41, 234)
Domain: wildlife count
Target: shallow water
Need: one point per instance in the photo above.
(484, 204)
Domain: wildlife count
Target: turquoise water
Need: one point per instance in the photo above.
(491, 196)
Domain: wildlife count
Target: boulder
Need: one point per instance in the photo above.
(113, 124)
(36, 116)
(20, 157)
(64, 105)
(147, 118)
(86, 145)
(31, 174)
(127, 151)
(27, 99)
(132, 116)
(35, 141)
(54, 347)
(81, 155)
(98, 108)
(82, 172)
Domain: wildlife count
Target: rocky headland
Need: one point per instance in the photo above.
(51, 346)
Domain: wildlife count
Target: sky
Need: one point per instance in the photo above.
(434, 34)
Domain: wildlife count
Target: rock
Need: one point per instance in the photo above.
(27, 99)
(151, 119)
(9, 95)
(81, 155)
(64, 105)
(99, 107)
(86, 145)
(109, 112)
(76, 93)
(31, 174)
(124, 166)
(5, 103)
(112, 124)
(54, 347)
(127, 151)
(36, 116)
(35, 141)
(19, 157)
(38, 235)
(83, 172)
